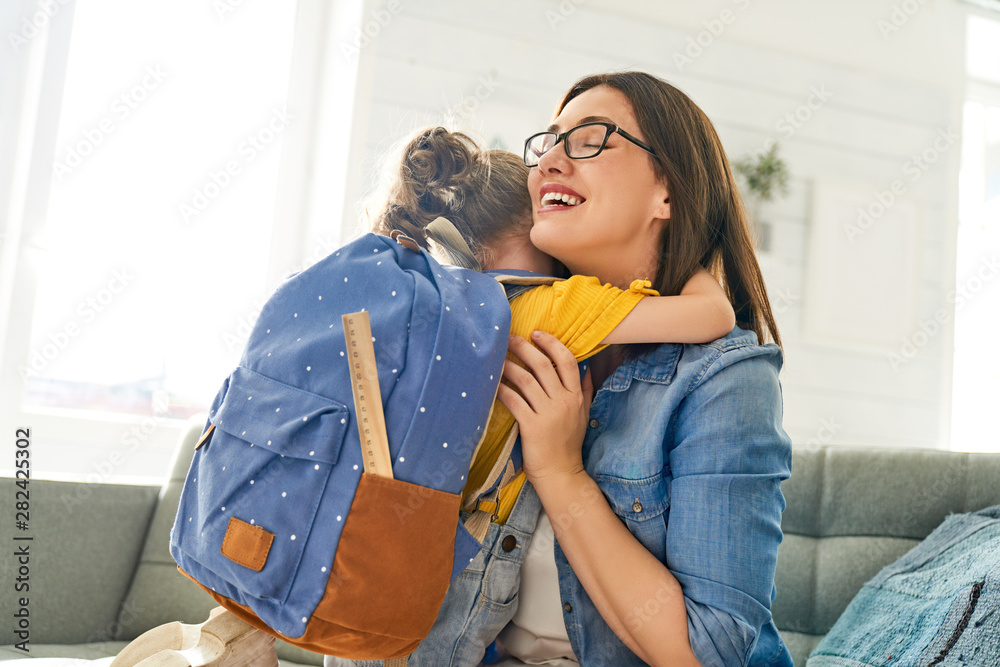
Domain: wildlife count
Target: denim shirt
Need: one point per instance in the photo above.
(686, 444)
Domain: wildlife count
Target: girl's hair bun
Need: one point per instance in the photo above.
(483, 192)
(437, 169)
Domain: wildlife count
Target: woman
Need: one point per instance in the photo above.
(664, 495)
(699, 427)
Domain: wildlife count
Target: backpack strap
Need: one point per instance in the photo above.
(527, 278)
(443, 232)
(516, 283)
(478, 523)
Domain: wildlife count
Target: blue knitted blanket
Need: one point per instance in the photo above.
(938, 605)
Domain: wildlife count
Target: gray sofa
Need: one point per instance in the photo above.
(101, 572)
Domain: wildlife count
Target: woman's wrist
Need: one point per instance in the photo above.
(566, 497)
(568, 482)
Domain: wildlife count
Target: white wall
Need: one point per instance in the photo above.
(499, 68)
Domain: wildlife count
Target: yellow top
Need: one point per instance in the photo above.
(580, 312)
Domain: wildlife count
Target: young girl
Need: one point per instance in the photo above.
(483, 194)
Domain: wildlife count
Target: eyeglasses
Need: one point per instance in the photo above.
(581, 142)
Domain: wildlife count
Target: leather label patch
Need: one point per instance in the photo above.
(246, 545)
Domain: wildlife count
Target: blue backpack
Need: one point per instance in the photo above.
(279, 522)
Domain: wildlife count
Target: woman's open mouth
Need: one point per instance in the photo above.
(554, 197)
(560, 199)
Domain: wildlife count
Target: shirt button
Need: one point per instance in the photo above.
(568, 607)
(636, 506)
(509, 543)
(594, 423)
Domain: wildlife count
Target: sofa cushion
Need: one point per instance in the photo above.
(86, 541)
(159, 593)
(834, 567)
(800, 645)
(836, 491)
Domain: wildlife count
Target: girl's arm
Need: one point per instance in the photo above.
(699, 314)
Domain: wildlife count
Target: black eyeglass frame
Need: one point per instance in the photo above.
(610, 127)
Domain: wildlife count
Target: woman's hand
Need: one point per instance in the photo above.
(551, 406)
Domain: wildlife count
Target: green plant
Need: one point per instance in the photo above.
(765, 173)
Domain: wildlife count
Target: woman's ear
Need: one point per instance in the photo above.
(659, 202)
(663, 209)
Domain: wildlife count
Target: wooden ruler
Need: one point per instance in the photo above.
(367, 397)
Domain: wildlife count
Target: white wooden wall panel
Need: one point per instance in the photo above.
(595, 41)
(859, 420)
(428, 62)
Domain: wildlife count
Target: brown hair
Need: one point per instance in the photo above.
(483, 192)
(709, 225)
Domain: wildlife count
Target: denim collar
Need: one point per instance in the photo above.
(659, 365)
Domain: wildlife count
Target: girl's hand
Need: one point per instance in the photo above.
(551, 405)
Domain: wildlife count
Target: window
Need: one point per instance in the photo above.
(146, 270)
(977, 315)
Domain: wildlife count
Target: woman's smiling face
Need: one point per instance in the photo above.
(613, 231)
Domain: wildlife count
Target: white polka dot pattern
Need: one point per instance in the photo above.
(289, 393)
